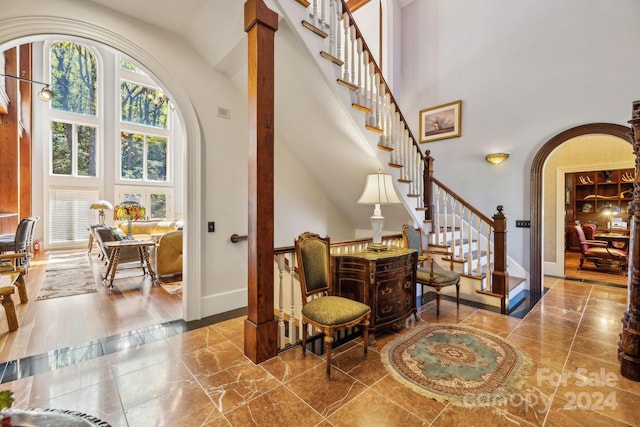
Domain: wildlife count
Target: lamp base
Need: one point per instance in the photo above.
(377, 247)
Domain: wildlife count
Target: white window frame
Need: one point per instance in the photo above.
(145, 192)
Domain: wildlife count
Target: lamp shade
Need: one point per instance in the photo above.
(129, 210)
(379, 190)
(101, 205)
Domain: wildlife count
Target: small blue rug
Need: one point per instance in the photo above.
(457, 364)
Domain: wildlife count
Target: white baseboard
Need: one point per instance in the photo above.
(223, 302)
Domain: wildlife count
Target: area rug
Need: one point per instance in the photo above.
(66, 275)
(457, 364)
(174, 288)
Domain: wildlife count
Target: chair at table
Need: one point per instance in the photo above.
(599, 252)
(429, 273)
(320, 307)
(17, 242)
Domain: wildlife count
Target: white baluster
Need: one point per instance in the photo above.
(293, 329)
(436, 215)
(479, 244)
(489, 278)
(462, 230)
(353, 55)
(345, 67)
(332, 28)
(361, 73)
(339, 18)
(469, 269)
(281, 329)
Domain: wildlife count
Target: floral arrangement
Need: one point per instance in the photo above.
(129, 210)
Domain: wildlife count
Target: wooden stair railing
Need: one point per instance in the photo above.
(370, 94)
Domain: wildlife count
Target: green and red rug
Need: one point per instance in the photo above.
(457, 364)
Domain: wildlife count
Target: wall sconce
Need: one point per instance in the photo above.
(497, 158)
(378, 191)
(45, 94)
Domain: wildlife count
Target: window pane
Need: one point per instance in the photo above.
(61, 148)
(131, 155)
(73, 78)
(143, 105)
(158, 208)
(156, 158)
(125, 64)
(86, 151)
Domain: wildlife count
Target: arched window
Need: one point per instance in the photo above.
(109, 125)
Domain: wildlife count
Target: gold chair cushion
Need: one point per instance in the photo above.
(334, 310)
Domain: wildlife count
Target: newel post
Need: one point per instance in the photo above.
(500, 276)
(261, 327)
(629, 345)
(427, 186)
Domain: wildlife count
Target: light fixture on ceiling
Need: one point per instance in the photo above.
(378, 191)
(497, 158)
(45, 94)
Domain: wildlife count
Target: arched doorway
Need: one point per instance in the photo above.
(536, 261)
(33, 27)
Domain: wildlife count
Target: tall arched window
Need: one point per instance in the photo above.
(109, 137)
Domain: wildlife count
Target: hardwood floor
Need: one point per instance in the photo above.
(589, 272)
(50, 324)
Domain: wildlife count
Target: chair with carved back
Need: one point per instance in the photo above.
(599, 252)
(18, 242)
(320, 307)
(429, 273)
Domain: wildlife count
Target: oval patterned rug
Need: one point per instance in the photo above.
(457, 364)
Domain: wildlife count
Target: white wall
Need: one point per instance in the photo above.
(525, 71)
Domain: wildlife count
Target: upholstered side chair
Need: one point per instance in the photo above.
(599, 252)
(429, 273)
(320, 307)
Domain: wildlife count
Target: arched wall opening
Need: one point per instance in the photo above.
(22, 29)
(537, 196)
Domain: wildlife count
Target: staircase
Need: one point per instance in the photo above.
(478, 242)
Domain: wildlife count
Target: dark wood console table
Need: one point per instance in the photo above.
(386, 281)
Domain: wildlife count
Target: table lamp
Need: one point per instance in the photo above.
(129, 210)
(101, 205)
(378, 190)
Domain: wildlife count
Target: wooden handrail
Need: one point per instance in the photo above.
(463, 201)
(288, 249)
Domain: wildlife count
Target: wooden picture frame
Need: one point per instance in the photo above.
(441, 122)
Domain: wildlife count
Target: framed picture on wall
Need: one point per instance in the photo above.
(441, 122)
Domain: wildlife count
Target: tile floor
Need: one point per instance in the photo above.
(202, 378)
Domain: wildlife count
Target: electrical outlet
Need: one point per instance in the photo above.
(523, 223)
(211, 226)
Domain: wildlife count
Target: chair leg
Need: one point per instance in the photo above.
(365, 335)
(304, 339)
(458, 294)
(437, 301)
(328, 344)
(22, 289)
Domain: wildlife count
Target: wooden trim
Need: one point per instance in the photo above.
(354, 5)
(464, 202)
(346, 84)
(536, 279)
(331, 58)
(315, 30)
